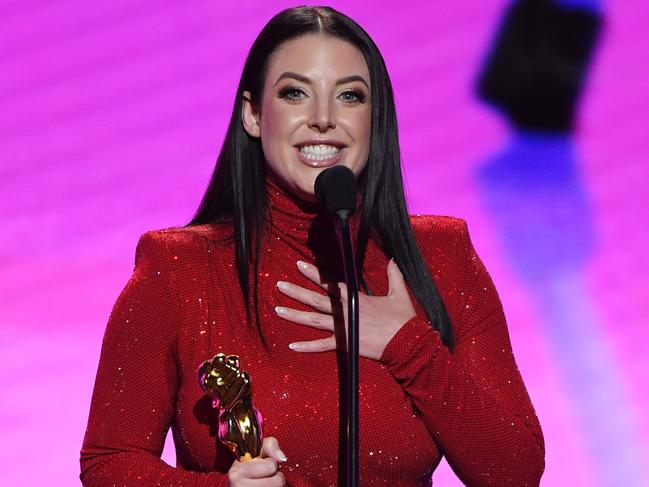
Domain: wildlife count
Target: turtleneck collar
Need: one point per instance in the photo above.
(303, 225)
(289, 212)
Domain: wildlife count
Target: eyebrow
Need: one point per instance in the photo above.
(304, 79)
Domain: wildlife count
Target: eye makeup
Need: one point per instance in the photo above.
(294, 94)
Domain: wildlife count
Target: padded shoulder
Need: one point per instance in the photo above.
(439, 231)
(209, 231)
(169, 245)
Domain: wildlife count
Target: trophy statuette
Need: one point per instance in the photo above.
(239, 422)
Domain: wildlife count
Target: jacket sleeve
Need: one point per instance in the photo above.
(135, 389)
(473, 399)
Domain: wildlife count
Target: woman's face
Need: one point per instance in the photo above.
(315, 111)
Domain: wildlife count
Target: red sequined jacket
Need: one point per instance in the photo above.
(183, 305)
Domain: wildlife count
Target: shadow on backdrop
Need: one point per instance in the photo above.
(534, 195)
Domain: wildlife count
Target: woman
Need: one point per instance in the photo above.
(246, 277)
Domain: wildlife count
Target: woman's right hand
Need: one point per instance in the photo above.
(260, 471)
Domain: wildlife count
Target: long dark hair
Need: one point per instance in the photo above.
(236, 192)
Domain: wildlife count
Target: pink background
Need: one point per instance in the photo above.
(112, 115)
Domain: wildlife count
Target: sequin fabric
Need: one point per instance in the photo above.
(182, 305)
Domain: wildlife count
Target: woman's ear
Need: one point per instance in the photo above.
(250, 116)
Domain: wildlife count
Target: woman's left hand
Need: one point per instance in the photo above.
(380, 317)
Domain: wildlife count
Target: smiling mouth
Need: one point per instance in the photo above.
(321, 155)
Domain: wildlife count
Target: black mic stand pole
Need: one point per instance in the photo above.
(351, 278)
(335, 188)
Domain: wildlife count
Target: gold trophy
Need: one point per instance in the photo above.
(231, 392)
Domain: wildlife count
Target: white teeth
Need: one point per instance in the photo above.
(319, 152)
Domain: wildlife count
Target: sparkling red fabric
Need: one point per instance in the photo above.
(183, 305)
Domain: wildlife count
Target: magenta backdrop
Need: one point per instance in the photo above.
(112, 115)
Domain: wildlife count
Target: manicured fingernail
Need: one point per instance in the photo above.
(281, 456)
(282, 285)
(302, 265)
(294, 346)
(280, 310)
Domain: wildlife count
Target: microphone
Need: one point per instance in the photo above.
(335, 189)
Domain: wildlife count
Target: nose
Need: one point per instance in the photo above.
(322, 116)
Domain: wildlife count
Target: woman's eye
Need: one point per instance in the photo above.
(292, 93)
(353, 96)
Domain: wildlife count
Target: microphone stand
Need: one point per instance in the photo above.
(351, 278)
(335, 188)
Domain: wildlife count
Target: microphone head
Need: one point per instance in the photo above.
(335, 189)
